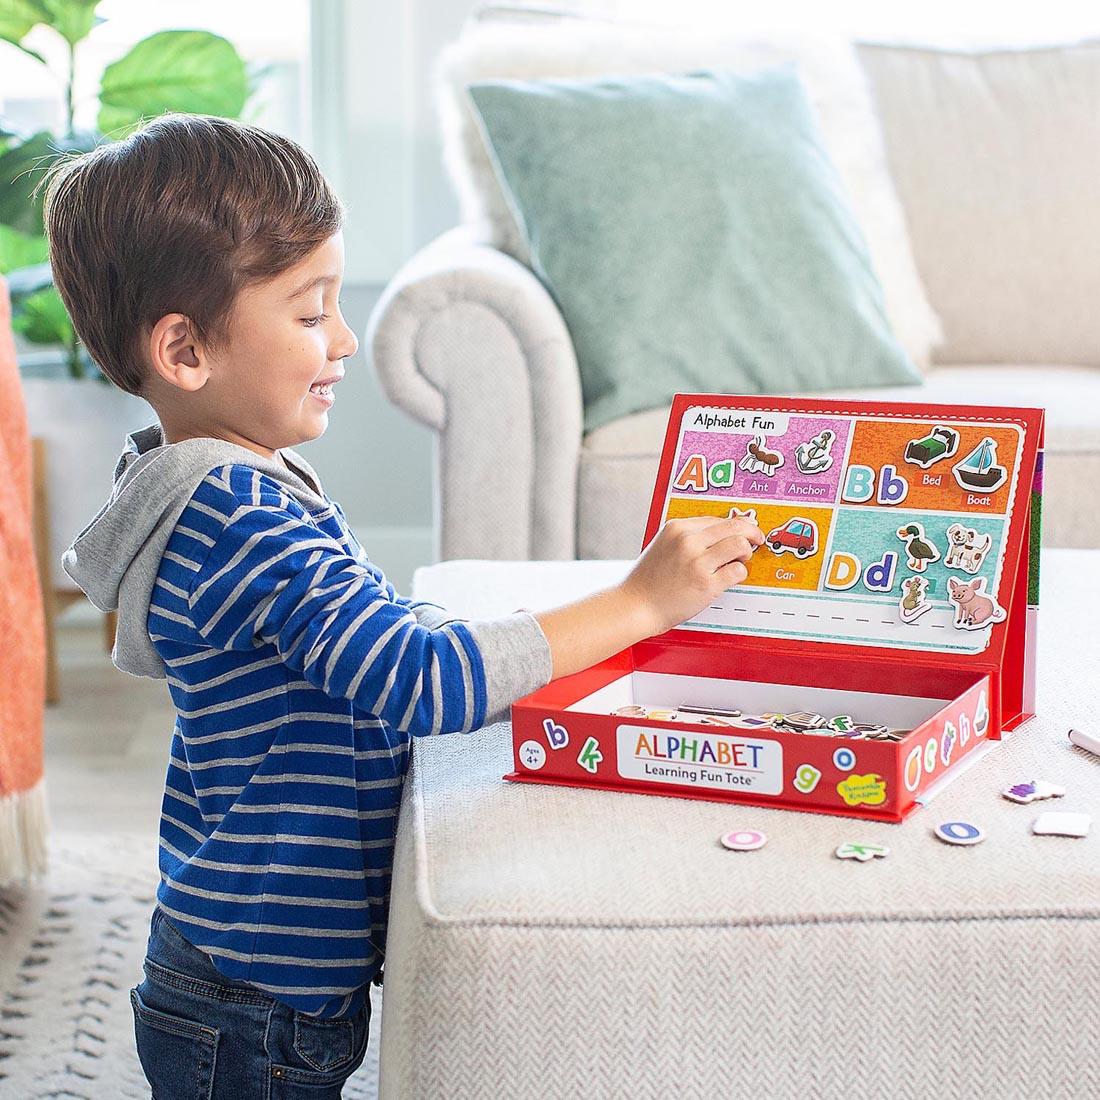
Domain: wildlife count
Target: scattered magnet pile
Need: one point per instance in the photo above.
(959, 833)
(801, 721)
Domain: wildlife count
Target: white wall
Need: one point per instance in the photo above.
(378, 142)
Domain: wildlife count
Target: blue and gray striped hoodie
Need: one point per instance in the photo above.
(298, 677)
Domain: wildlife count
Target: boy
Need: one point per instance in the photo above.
(200, 261)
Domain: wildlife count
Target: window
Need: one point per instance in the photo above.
(945, 21)
(272, 35)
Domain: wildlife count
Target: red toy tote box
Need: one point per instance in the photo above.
(883, 637)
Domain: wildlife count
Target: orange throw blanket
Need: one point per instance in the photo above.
(22, 630)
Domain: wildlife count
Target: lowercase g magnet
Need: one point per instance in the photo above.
(743, 840)
(959, 832)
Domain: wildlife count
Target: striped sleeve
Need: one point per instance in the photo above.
(273, 577)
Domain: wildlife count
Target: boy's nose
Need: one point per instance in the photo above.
(346, 346)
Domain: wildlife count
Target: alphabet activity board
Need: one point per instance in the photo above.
(885, 631)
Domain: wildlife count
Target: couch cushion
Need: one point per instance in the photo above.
(996, 157)
(579, 48)
(548, 942)
(693, 231)
(619, 461)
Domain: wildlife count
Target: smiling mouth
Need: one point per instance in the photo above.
(323, 387)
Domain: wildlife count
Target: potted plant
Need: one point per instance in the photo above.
(82, 417)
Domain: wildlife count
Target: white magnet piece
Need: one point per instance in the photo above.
(1059, 824)
(959, 832)
(1087, 741)
(1032, 791)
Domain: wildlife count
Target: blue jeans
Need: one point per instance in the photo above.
(201, 1036)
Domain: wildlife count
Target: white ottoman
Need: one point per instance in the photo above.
(549, 942)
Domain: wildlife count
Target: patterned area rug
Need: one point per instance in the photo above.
(70, 950)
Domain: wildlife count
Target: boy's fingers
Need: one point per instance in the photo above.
(734, 525)
(684, 528)
(731, 549)
(733, 573)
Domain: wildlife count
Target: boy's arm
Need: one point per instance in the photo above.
(689, 563)
(272, 576)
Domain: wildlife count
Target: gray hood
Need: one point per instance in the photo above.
(115, 558)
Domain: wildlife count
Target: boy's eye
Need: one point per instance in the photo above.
(313, 322)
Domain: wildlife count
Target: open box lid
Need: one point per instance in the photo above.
(890, 526)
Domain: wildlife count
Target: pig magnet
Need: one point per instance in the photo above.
(974, 608)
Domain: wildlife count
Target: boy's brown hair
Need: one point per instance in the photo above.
(177, 218)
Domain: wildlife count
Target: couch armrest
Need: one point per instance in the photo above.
(468, 341)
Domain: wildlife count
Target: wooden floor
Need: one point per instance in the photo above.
(107, 740)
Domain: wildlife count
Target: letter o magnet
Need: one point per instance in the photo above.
(844, 759)
(959, 832)
(743, 840)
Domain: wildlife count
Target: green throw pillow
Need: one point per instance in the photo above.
(694, 234)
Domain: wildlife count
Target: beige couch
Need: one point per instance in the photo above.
(974, 178)
(551, 944)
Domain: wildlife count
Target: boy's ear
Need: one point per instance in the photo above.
(176, 354)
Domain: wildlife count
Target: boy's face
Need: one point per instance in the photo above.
(263, 389)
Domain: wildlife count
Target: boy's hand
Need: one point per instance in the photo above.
(688, 564)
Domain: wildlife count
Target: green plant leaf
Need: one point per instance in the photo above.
(26, 49)
(19, 168)
(18, 18)
(41, 318)
(18, 250)
(192, 72)
(22, 166)
(72, 19)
